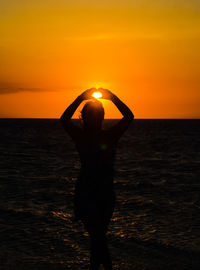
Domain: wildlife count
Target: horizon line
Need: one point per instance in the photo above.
(54, 118)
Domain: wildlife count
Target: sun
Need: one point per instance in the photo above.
(97, 95)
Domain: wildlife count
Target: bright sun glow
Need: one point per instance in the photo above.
(97, 94)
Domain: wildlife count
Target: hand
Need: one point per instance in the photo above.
(88, 94)
(106, 94)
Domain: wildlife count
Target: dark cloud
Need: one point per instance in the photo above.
(16, 90)
(10, 88)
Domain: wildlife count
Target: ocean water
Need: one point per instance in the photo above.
(156, 223)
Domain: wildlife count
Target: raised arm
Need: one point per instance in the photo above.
(123, 108)
(128, 116)
(73, 130)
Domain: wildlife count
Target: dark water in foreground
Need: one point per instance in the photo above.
(156, 223)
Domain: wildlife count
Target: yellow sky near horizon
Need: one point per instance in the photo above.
(146, 52)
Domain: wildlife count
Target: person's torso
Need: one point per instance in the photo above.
(97, 154)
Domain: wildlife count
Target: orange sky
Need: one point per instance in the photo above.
(147, 52)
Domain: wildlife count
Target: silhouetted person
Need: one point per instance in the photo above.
(94, 198)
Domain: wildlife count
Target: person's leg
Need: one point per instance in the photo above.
(104, 252)
(95, 256)
(98, 245)
(105, 220)
(90, 225)
(96, 225)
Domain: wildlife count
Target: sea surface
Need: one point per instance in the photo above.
(156, 223)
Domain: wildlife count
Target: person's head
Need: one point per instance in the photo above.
(92, 115)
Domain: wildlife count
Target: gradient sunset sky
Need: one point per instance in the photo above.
(145, 51)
